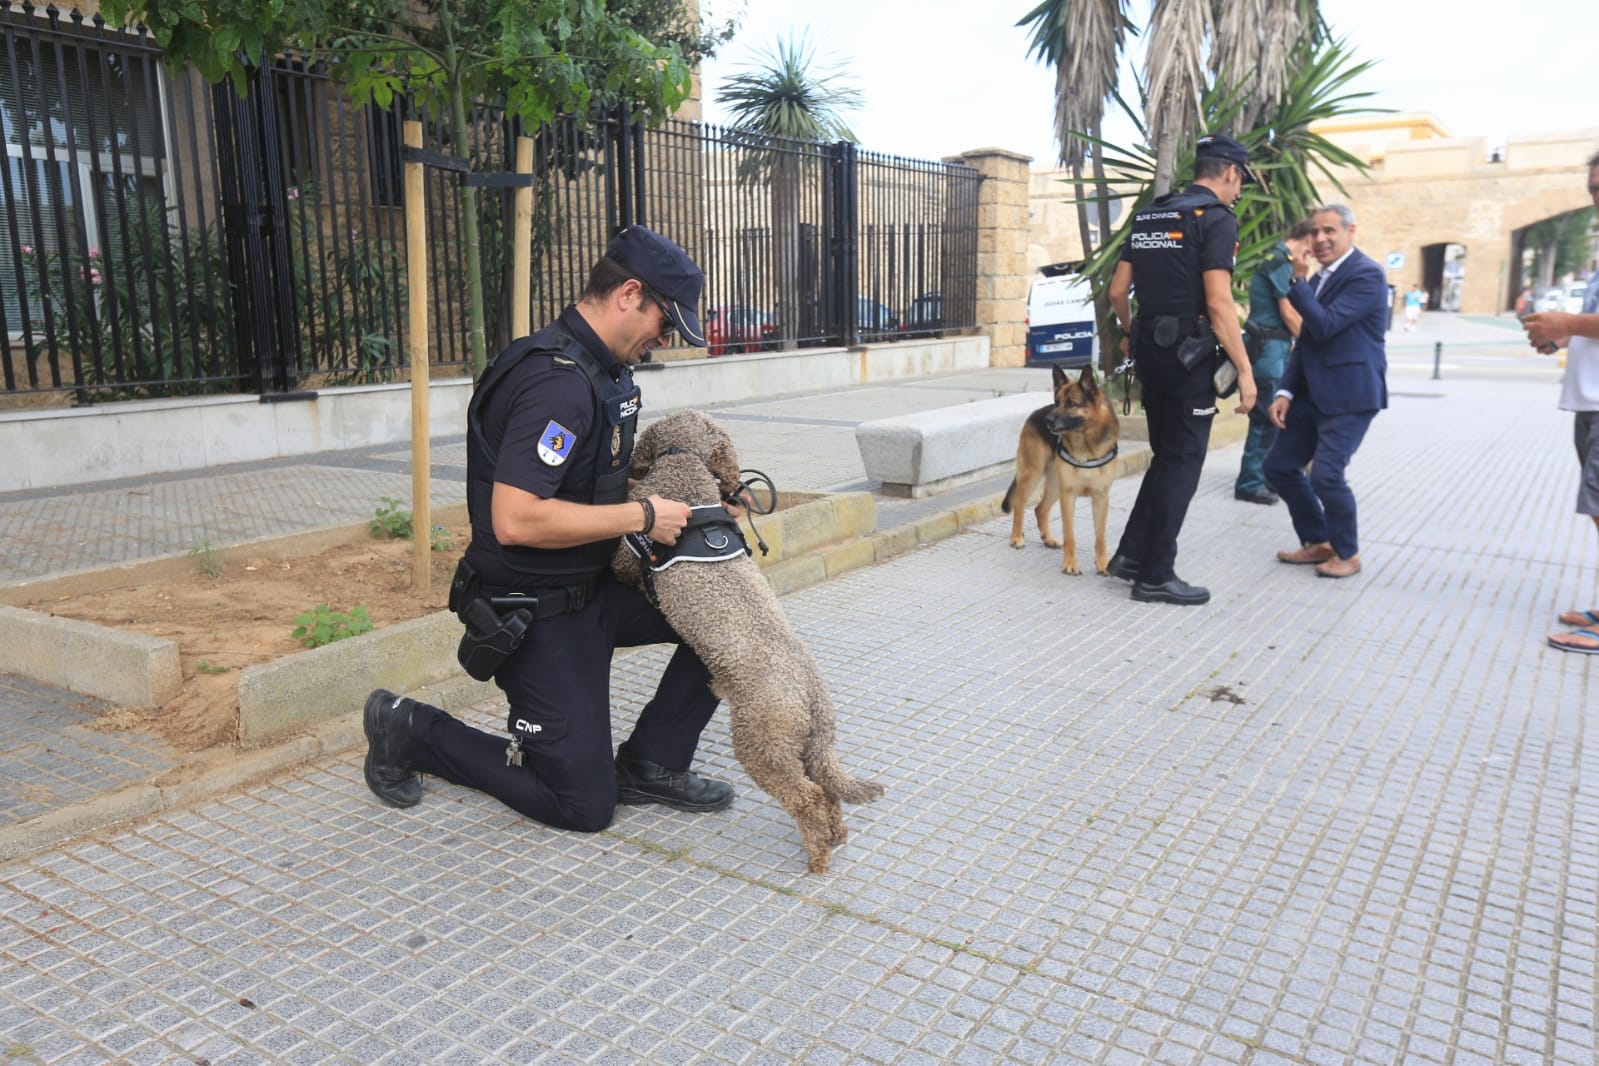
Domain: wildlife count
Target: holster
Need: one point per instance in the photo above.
(1197, 350)
(490, 636)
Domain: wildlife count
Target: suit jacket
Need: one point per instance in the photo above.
(1340, 359)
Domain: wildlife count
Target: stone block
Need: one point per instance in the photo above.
(129, 669)
(288, 695)
(926, 452)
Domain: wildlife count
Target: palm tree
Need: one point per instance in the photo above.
(1243, 45)
(779, 105)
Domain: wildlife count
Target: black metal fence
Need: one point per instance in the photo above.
(166, 237)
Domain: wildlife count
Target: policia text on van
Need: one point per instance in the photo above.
(1178, 262)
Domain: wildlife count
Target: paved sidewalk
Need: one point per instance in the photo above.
(1313, 821)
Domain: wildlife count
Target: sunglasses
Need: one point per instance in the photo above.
(666, 316)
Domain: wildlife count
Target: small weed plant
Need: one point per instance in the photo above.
(441, 540)
(205, 553)
(389, 520)
(320, 625)
(210, 668)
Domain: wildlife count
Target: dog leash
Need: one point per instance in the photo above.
(744, 496)
(1121, 371)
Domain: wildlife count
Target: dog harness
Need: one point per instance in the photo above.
(711, 536)
(1084, 464)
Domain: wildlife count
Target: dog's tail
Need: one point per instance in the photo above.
(1005, 503)
(823, 767)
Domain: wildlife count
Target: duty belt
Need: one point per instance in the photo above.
(1267, 333)
(546, 603)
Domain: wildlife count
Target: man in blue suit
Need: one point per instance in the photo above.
(1333, 387)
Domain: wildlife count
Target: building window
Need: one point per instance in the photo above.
(84, 164)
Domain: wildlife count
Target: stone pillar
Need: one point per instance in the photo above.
(1002, 234)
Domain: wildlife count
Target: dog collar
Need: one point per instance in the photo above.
(1085, 464)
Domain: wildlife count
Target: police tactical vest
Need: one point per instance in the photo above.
(1163, 248)
(616, 408)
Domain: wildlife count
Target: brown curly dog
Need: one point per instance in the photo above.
(781, 714)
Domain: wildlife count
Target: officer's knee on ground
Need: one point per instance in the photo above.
(587, 817)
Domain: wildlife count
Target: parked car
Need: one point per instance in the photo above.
(924, 315)
(1549, 300)
(736, 329)
(874, 317)
(1574, 295)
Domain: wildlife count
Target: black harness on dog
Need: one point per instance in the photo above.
(1084, 464)
(712, 534)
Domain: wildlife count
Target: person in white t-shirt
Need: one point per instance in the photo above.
(1549, 331)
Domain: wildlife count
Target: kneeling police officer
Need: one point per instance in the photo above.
(1178, 261)
(550, 440)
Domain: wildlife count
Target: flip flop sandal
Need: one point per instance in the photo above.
(1579, 618)
(1591, 634)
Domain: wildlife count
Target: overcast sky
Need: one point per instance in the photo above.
(944, 76)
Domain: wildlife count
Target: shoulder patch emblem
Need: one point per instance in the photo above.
(555, 444)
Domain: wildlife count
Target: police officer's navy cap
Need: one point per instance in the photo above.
(1221, 146)
(666, 268)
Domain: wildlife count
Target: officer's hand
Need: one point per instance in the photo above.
(734, 508)
(670, 518)
(1246, 394)
(1278, 413)
(1126, 346)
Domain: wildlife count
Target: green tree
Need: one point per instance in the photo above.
(787, 96)
(538, 57)
(1559, 246)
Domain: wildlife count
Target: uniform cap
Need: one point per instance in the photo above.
(663, 266)
(1221, 146)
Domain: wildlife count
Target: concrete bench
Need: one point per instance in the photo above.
(927, 452)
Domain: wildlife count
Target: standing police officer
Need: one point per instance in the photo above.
(550, 440)
(1179, 256)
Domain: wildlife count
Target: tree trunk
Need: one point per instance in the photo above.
(476, 343)
(1166, 158)
(1109, 328)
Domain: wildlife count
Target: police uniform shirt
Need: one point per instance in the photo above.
(1216, 229)
(548, 415)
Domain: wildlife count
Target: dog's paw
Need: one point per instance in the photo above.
(1073, 569)
(1050, 542)
(1017, 542)
(1102, 567)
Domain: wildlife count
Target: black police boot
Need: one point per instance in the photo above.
(1122, 567)
(1175, 591)
(1265, 497)
(387, 721)
(640, 781)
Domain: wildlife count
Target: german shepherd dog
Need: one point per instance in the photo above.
(1072, 444)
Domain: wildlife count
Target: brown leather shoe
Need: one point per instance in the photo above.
(1308, 553)
(1336, 567)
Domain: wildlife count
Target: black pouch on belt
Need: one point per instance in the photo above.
(1166, 329)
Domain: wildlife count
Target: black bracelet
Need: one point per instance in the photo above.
(649, 517)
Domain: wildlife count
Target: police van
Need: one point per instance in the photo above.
(1060, 319)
